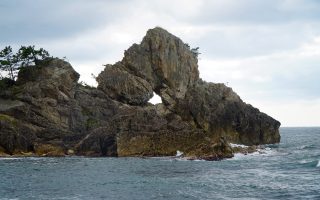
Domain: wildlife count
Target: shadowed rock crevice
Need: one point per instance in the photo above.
(48, 113)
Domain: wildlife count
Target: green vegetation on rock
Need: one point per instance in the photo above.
(7, 118)
(11, 63)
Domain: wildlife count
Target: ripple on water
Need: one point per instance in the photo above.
(289, 170)
(9, 158)
(260, 152)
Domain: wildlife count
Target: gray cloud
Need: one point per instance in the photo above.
(46, 19)
(258, 12)
(236, 28)
(232, 42)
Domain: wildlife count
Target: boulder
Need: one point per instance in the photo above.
(117, 83)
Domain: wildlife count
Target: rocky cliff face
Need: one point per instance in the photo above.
(49, 113)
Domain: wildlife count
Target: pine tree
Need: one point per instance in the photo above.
(11, 63)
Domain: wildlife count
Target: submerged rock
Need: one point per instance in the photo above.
(48, 113)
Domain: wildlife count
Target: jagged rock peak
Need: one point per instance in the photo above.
(162, 60)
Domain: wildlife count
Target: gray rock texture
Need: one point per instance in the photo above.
(47, 113)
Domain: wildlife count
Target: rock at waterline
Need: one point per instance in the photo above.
(49, 109)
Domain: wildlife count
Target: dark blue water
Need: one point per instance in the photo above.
(290, 170)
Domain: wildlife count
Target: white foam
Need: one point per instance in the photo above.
(188, 159)
(238, 145)
(304, 161)
(266, 151)
(179, 153)
(10, 158)
(238, 156)
(302, 147)
(260, 152)
(9, 199)
(198, 160)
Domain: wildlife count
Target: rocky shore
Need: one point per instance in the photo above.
(48, 113)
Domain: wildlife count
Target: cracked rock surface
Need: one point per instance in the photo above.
(49, 114)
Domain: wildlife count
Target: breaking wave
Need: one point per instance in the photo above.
(260, 152)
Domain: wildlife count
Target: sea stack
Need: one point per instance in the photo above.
(48, 113)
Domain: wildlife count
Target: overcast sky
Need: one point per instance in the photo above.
(267, 51)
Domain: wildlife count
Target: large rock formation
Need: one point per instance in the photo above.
(48, 113)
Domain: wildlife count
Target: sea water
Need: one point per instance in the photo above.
(289, 170)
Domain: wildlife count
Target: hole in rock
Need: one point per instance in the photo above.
(155, 99)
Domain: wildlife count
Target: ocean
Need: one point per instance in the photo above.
(289, 170)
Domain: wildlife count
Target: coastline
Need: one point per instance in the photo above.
(236, 149)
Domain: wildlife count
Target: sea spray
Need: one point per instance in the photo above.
(179, 153)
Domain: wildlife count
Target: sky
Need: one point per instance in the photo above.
(267, 51)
